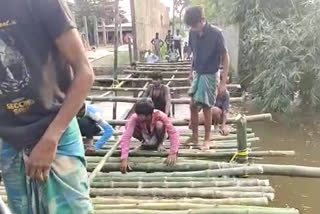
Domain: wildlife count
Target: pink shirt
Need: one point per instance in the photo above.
(156, 116)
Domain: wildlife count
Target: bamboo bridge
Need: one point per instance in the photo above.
(229, 178)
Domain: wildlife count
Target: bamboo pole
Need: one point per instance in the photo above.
(152, 72)
(261, 201)
(140, 177)
(245, 210)
(263, 189)
(134, 100)
(237, 171)
(162, 206)
(103, 78)
(134, 30)
(205, 154)
(172, 193)
(115, 63)
(100, 88)
(267, 169)
(242, 155)
(161, 167)
(98, 168)
(162, 68)
(190, 184)
(164, 63)
(250, 118)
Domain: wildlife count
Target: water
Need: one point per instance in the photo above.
(303, 136)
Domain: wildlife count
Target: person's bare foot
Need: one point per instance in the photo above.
(161, 148)
(206, 146)
(192, 140)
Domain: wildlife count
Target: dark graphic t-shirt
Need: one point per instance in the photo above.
(34, 77)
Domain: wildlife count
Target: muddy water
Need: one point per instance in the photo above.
(302, 134)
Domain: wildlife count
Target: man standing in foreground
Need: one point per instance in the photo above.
(209, 52)
(44, 79)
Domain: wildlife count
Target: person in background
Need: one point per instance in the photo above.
(92, 124)
(159, 93)
(186, 51)
(151, 58)
(168, 41)
(209, 52)
(45, 78)
(157, 44)
(148, 126)
(177, 42)
(219, 113)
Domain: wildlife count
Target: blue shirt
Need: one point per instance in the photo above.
(207, 49)
(94, 114)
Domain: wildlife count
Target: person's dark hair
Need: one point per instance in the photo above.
(193, 16)
(169, 31)
(157, 34)
(144, 106)
(156, 76)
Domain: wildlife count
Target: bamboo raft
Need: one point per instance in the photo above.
(223, 180)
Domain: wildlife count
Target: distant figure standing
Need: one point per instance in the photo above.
(151, 58)
(177, 42)
(159, 93)
(186, 51)
(209, 50)
(168, 41)
(157, 44)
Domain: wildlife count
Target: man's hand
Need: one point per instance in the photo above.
(171, 160)
(224, 130)
(221, 88)
(39, 162)
(124, 166)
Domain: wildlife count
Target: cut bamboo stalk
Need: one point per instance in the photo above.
(203, 211)
(242, 155)
(161, 167)
(251, 118)
(237, 171)
(191, 184)
(183, 146)
(169, 193)
(261, 201)
(263, 189)
(155, 206)
(100, 88)
(267, 169)
(203, 154)
(140, 177)
(152, 72)
(164, 63)
(98, 168)
(102, 78)
(134, 100)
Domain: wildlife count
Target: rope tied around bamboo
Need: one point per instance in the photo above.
(243, 152)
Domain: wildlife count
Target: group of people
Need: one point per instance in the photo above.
(173, 44)
(45, 78)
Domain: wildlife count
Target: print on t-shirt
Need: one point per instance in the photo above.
(14, 74)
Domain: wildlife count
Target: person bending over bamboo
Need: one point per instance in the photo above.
(149, 126)
(209, 50)
(92, 124)
(219, 112)
(159, 93)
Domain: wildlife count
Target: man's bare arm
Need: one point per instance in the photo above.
(70, 46)
(225, 59)
(168, 100)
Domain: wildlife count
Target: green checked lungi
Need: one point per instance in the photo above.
(65, 192)
(203, 89)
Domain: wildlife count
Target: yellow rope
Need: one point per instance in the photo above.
(240, 153)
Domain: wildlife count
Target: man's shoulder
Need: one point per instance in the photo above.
(214, 29)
